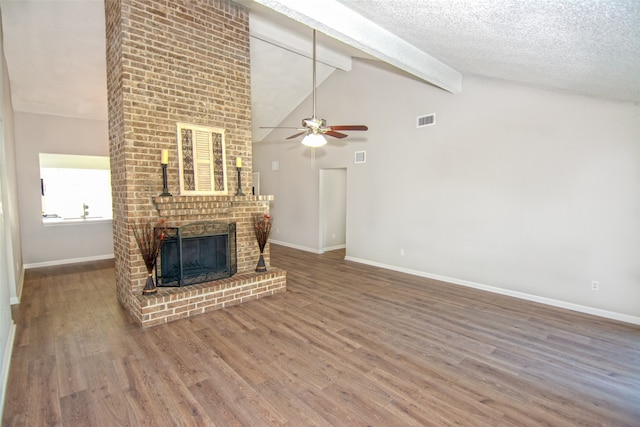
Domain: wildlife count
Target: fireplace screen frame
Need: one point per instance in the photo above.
(179, 237)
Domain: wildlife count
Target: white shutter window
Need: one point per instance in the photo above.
(201, 153)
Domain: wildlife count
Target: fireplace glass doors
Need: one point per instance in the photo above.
(196, 253)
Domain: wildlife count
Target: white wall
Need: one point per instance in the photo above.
(528, 191)
(10, 250)
(10, 196)
(51, 244)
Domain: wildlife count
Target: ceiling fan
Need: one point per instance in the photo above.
(315, 128)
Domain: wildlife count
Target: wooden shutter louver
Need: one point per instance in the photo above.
(201, 153)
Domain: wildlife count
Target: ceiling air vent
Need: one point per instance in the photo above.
(428, 120)
(361, 157)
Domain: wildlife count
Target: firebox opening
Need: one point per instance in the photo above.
(196, 253)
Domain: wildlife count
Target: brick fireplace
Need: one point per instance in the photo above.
(169, 62)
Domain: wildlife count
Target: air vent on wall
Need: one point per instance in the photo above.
(428, 120)
(361, 157)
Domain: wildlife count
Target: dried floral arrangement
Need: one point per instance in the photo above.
(262, 228)
(149, 237)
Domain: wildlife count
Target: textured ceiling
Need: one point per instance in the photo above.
(585, 46)
(56, 56)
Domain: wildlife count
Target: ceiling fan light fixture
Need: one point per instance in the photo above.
(314, 140)
(315, 128)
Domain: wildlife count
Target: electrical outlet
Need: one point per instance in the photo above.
(595, 286)
(401, 252)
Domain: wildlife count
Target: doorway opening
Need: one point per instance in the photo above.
(333, 209)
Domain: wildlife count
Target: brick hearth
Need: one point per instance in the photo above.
(169, 62)
(176, 303)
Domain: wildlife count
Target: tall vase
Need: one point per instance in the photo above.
(261, 267)
(149, 286)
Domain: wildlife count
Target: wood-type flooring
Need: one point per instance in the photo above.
(346, 345)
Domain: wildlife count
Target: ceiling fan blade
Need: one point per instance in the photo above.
(349, 127)
(296, 135)
(335, 134)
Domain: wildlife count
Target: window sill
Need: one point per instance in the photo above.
(74, 221)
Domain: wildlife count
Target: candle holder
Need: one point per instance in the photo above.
(165, 189)
(239, 192)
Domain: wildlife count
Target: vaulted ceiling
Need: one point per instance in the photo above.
(55, 49)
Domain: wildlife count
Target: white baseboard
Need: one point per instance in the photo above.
(303, 248)
(291, 245)
(333, 248)
(6, 362)
(16, 300)
(529, 297)
(68, 261)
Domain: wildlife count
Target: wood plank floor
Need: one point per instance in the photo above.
(347, 344)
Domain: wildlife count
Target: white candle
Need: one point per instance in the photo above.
(238, 162)
(165, 157)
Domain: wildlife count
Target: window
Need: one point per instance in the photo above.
(75, 188)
